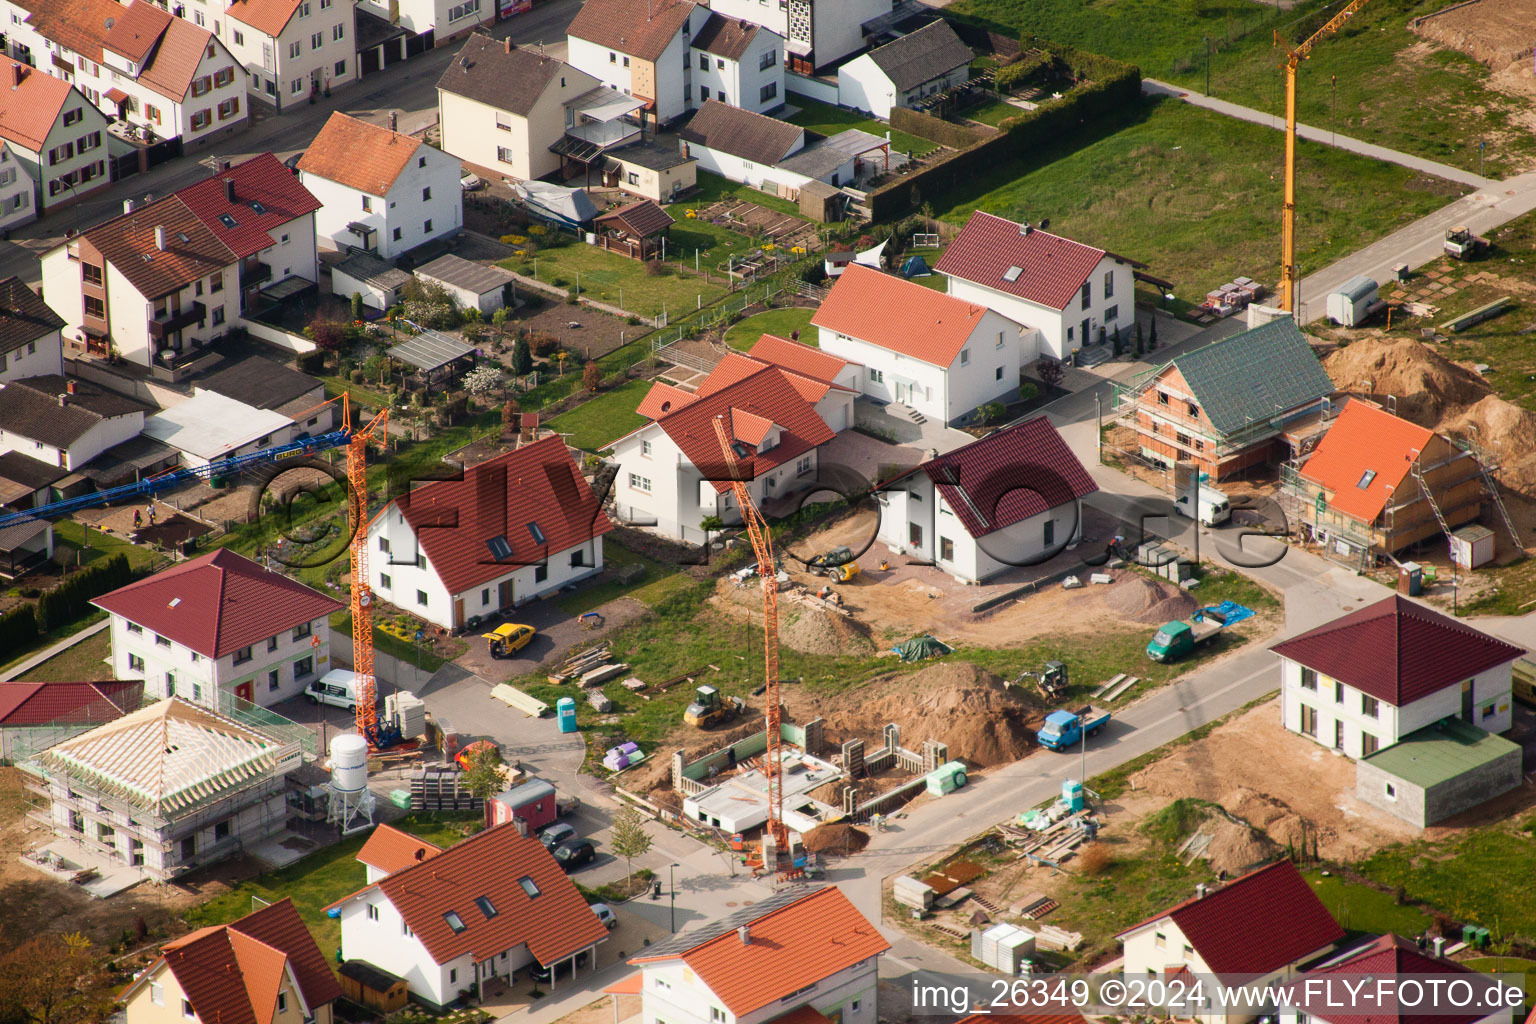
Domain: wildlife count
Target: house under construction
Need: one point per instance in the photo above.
(1376, 484)
(168, 788)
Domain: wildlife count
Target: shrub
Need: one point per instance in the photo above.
(311, 362)
(522, 360)
(18, 628)
(1095, 859)
(357, 305)
(542, 343)
(358, 376)
(71, 598)
(572, 296)
(633, 321)
(329, 335)
(656, 268)
(591, 376)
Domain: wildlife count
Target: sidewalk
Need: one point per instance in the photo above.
(43, 655)
(1153, 87)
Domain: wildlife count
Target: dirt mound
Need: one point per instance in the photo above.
(1492, 32)
(1236, 848)
(1493, 418)
(818, 631)
(1427, 385)
(835, 838)
(1142, 600)
(971, 711)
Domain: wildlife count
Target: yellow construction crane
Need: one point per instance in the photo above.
(1288, 278)
(762, 547)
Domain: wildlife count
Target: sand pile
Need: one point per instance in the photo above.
(1427, 385)
(1236, 848)
(802, 628)
(1142, 600)
(970, 710)
(835, 838)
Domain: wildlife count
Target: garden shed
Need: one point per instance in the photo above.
(472, 285)
(635, 230)
(371, 986)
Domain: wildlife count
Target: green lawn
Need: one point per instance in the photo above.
(659, 582)
(609, 277)
(94, 545)
(713, 188)
(597, 422)
(829, 120)
(1359, 908)
(1485, 877)
(743, 334)
(930, 256)
(1197, 196)
(1508, 965)
(322, 878)
(85, 662)
(993, 112)
(715, 244)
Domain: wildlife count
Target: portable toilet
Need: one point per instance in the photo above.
(1072, 794)
(1410, 579)
(565, 714)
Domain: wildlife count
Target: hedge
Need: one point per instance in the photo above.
(72, 598)
(935, 129)
(18, 628)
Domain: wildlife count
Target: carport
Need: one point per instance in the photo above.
(430, 351)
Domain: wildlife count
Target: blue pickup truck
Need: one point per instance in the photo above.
(1064, 729)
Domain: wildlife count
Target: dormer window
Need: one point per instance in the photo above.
(499, 548)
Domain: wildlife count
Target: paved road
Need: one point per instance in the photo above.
(408, 89)
(1153, 87)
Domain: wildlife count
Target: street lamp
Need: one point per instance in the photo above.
(1207, 65)
(672, 886)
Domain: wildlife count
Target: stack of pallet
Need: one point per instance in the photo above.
(579, 664)
(439, 788)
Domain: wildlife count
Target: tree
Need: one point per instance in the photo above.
(522, 359)
(357, 305)
(710, 524)
(1050, 372)
(1118, 346)
(40, 980)
(591, 376)
(993, 411)
(483, 777)
(509, 417)
(482, 380)
(1141, 348)
(628, 837)
(560, 357)
(1152, 336)
(499, 321)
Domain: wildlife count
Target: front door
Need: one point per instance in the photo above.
(1466, 700)
(504, 595)
(903, 393)
(915, 535)
(458, 613)
(1338, 734)
(243, 691)
(1087, 326)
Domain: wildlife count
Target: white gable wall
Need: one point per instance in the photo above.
(1061, 331)
(672, 993)
(861, 85)
(43, 357)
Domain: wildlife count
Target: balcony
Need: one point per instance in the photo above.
(162, 326)
(254, 272)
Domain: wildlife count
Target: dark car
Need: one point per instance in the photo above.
(561, 969)
(292, 163)
(556, 834)
(573, 853)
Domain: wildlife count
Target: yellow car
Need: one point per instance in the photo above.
(507, 639)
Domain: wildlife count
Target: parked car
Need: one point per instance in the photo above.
(292, 163)
(562, 969)
(606, 915)
(555, 834)
(471, 183)
(573, 853)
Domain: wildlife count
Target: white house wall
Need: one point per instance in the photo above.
(103, 435)
(43, 357)
(835, 26)
(273, 73)
(1061, 332)
(17, 203)
(861, 85)
(595, 61)
(403, 210)
(672, 993)
(198, 678)
(386, 942)
(741, 83)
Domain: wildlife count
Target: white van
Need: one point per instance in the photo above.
(337, 688)
(1214, 507)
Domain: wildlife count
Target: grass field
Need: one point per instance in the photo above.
(744, 333)
(1485, 877)
(1359, 908)
(94, 545)
(85, 662)
(829, 120)
(597, 422)
(609, 277)
(322, 878)
(1197, 196)
(659, 582)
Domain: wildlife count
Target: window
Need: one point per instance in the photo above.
(239, 38)
(201, 119)
(626, 62)
(720, 95)
(1370, 706)
(661, 983)
(639, 483)
(134, 627)
(421, 561)
(135, 663)
(1391, 791)
(946, 549)
(767, 60)
(421, 598)
(1162, 398)
(221, 831)
(716, 1015)
(1489, 711)
(1112, 314)
(373, 912)
(1309, 721)
(200, 86)
(282, 1002)
(453, 976)
(854, 1005)
(1160, 940)
(95, 307)
(223, 77)
(1109, 286)
(303, 630)
(540, 573)
(1368, 744)
(186, 1004)
(273, 679)
(1182, 439)
(1338, 692)
(304, 9)
(426, 227)
(271, 643)
(803, 466)
(74, 116)
(965, 357)
(243, 655)
(297, 85)
(1069, 334)
(91, 274)
(367, 204)
(486, 907)
(768, 92)
(197, 690)
(1308, 679)
(161, 641)
(341, 65)
(216, 283)
(703, 93)
(157, 993)
(397, 234)
(877, 376)
(578, 559)
(529, 886)
(485, 595)
(1087, 294)
(384, 581)
(1192, 409)
(471, 6)
(613, 58)
(1050, 532)
(454, 921)
(999, 374)
(229, 108)
(645, 448)
(317, 40)
(218, 316)
(305, 666)
(426, 194)
(405, 929)
(421, 161)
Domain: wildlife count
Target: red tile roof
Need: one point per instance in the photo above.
(767, 394)
(628, 26)
(231, 974)
(218, 603)
(174, 64)
(358, 155)
(28, 111)
(554, 924)
(25, 704)
(791, 946)
(1397, 651)
(1008, 476)
(642, 219)
(1237, 928)
(80, 25)
(662, 399)
(390, 849)
(1393, 956)
(261, 179)
(267, 16)
(799, 358)
(1364, 439)
(899, 315)
(1052, 268)
(535, 484)
(736, 367)
(136, 30)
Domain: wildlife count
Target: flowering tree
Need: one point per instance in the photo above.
(482, 380)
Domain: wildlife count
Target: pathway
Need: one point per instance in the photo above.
(23, 667)
(1152, 87)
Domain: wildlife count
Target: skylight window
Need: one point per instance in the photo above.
(227, 220)
(1012, 273)
(486, 907)
(538, 534)
(529, 886)
(258, 207)
(454, 921)
(183, 237)
(1365, 481)
(499, 548)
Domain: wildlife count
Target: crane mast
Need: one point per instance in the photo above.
(362, 594)
(762, 547)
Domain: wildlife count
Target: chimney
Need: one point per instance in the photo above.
(69, 387)
(1026, 228)
(508, 43)
(394, 120)
(16, 75)
(160, 237)
(63, 400)
(128, 205)
(1439, 945)
(229, 190)
(1200, 891)
(224, 163)
(745, 934)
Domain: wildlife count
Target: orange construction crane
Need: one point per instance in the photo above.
(762, 547)
(1289, 282)
(362, 595)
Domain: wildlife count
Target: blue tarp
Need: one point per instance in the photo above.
(1228, 612)
(915, 266)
